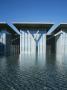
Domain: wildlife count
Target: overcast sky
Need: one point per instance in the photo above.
(33, 11)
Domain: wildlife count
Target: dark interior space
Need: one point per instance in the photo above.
(50, 43)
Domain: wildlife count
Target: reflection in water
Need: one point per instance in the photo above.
(32, 59)
(59, 60)
(61, 49)
(3, 64)
(33, 72)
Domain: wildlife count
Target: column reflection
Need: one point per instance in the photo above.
(30, 53)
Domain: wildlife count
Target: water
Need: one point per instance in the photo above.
(33, 72)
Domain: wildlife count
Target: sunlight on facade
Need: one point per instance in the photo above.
(3, 38)
(42, 45)
(28, 43)
(61, 48)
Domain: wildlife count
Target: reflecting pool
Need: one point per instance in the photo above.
(33, 72)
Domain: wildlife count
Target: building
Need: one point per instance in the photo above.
(60, 34)
(7, 34)
(32, 38)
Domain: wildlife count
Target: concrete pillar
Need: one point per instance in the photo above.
(2, 43)
(5, 42)
(29, 45)
(61, 44)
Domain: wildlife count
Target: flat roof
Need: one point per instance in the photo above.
(32, 25)
(5, 26)
(60, 27)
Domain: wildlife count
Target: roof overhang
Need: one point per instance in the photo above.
(31, 26)
(60, 27)
(5, 26)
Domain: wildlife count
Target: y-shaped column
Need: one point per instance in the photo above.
(35, 38)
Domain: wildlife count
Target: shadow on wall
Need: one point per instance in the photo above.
(2, 49)
(50, 44)
(9, 48)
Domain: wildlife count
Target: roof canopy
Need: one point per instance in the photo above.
(23, 26)
(60, 27)
(5, 26)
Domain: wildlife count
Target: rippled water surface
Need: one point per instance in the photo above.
(33, 72)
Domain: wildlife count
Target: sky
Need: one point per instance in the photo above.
(53, 11)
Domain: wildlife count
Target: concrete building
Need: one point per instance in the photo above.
(33, 37)
(7, 34)
(60, 34)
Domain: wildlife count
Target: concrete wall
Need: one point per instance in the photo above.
(15, 45)
(4, 43)
(50, 44)
(9, 43)
(29, 45)
(61, 44)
